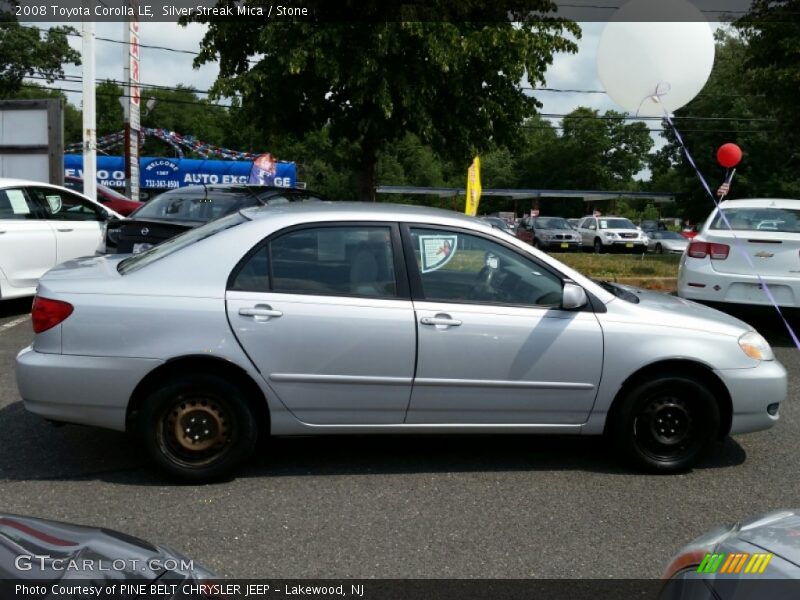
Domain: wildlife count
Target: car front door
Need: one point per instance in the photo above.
(78, 222)
(493, 345)
(27, 241)
(325, 314)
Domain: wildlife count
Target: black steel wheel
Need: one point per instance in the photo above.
(667, 424)
(198, 427)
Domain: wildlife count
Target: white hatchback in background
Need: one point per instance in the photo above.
(715, 269)
(42, 225)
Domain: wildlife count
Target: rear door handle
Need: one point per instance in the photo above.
(260, 311)
(65, 230)
(440, 321)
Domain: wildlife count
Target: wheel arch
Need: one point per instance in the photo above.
(684, 367)
(187, 365)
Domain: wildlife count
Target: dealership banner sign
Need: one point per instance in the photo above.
(169, 173)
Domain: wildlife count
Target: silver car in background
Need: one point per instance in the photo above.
(346, 318)
(666, 242)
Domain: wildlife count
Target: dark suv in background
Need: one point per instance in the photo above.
(178, 210)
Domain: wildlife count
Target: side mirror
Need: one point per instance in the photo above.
(573, 297)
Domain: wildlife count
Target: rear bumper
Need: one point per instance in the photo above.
(88, 390)
(752, 391)
(697, 280)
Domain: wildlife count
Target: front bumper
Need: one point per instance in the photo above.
(555, 245)
(697, 280)
(625, 245)
(752, 391)
(88, 390)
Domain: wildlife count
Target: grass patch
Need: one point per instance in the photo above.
(611, 266)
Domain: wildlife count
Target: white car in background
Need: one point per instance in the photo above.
(715, 268)
(42, 225)
(606, 234)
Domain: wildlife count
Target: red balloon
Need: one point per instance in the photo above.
(729, 155)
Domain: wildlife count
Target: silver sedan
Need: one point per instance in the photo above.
(362, 318)
(666, 242)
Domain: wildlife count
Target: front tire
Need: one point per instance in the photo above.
(198, 427)
(659, 249)
(666, 425)
(598, 246)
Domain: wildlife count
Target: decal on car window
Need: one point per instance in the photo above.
(18, 203)
(55, 203)
(436, 251)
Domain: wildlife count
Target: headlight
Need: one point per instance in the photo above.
(755, 346)
(610, 235)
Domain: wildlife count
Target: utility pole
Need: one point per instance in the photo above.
(132, 102)
(89, 118)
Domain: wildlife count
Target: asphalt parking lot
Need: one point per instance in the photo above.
(400, 507)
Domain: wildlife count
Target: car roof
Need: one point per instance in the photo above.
(761, 203)
(361, 211)
(11, 182)
(234, 188)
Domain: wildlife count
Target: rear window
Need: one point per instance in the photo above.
(785, 220)
(192, 236)
(192, 207)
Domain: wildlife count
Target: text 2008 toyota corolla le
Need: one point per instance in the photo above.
(362, 318)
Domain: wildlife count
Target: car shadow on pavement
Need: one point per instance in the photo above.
(16, 307)
(41, 451)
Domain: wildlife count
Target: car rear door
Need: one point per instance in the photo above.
(77, 221)
(493, 345)
(27, 241)
(325, 315)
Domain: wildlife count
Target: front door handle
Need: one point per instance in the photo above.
(65, 230)
(260, 312)
(440, 321)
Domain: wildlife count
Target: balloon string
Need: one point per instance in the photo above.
(739, 244)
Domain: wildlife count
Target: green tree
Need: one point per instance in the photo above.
(26, 51)
(455, 85)
(108, 110)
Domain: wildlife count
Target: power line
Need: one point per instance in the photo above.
(168, 100)
(535, 127)
(123, 42)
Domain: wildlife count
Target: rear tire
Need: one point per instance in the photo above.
(666, 425)
(198, 427)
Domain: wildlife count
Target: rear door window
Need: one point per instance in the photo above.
(15, 204)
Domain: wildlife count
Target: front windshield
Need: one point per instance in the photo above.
(550, 223)
(760, 219)
(616, 224)
(181, 206)
(192, 236)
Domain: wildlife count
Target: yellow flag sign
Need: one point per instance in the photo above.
(473, 187)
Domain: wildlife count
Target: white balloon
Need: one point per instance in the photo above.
(652, 48)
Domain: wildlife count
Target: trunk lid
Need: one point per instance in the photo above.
(772, 253)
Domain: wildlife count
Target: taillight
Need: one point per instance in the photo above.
(703, 249)
(47, 313)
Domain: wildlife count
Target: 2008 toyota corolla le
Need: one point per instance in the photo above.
(363, 318)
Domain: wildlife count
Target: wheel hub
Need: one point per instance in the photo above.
(198, 425)
(670, 422)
